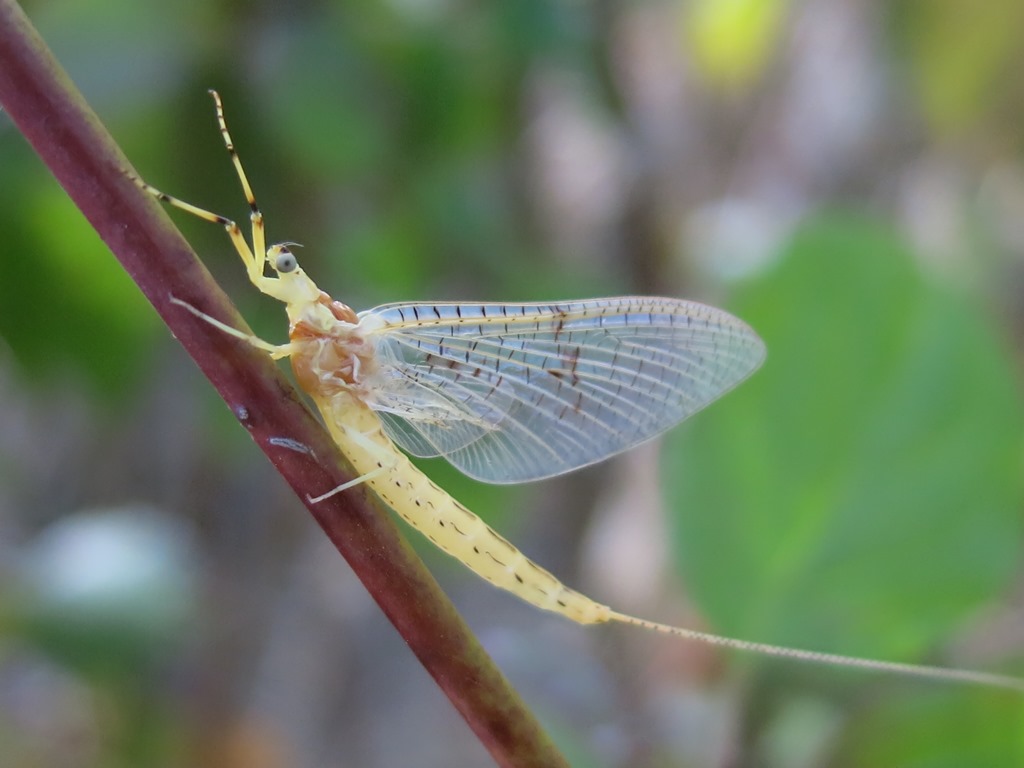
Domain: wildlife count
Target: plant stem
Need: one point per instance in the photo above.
(52, 115)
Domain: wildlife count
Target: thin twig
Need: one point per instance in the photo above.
(54, 118)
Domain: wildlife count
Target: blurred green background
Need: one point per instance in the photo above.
(847, 177)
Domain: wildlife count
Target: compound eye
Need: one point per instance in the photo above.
(285, 261)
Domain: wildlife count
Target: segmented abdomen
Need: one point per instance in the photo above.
(451, 526)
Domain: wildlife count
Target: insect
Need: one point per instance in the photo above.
(507, 393)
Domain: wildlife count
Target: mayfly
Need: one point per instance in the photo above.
(507, 393)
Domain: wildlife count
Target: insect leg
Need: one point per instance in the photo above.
(254, 258)
(345, 486)
(253, 266)
(259, 237)
(277, 351)
(386, 462)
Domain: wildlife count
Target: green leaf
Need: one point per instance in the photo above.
(861, 494)
(976, 729)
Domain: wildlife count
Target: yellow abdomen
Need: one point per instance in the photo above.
(442, 519)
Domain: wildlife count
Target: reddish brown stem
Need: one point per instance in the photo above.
(47, 109)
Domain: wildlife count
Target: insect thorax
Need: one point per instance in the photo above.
(330, 357)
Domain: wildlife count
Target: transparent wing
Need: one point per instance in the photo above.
(515, 392)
